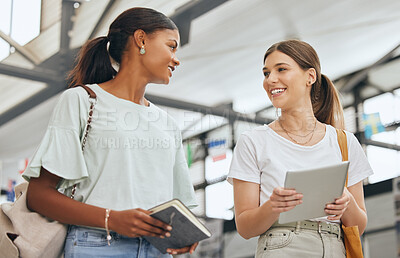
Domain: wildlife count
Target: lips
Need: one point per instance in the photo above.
(277, 91)
(171, 69)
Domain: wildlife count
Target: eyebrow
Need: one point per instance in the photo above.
(278, 64)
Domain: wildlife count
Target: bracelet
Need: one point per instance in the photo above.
(106, 226)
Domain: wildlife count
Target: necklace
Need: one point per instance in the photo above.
(301, 143)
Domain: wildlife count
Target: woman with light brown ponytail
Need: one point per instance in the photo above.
(304, 136)
(133, 158)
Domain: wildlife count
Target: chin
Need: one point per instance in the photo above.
(278, 104)
(166, 82)
(161, 81)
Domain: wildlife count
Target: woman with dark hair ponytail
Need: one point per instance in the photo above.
(93, 64)
(133, 158)
(304, 136)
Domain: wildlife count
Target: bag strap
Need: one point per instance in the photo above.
(342, 140)
(89, 91)
(92, 101)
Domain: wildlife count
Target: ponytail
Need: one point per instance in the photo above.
(93, 64)
(326, 104)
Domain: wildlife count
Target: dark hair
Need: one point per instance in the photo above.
(93, 64)
(324, 96)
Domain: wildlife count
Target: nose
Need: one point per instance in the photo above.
(176, 60)
(272, 78)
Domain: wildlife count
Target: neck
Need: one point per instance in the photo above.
(301, 120)
(128, 84)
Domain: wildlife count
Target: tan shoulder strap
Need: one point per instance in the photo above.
(342, 140)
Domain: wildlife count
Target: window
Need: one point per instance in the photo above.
(20, 19)
(384, 162)
(219, 196)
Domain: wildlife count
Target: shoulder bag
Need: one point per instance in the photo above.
(352, 240)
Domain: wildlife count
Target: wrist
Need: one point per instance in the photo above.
(351, 211)
(352, 205)
(269, 212)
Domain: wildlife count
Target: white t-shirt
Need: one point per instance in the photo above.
(262, 156)
(133, 157)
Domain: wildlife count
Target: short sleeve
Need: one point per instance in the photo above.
(244, 161)
(60, 149)
(183, 187)
(359, 166)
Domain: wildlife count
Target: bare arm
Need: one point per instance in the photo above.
(253, 220)
(44, 198)
(350, 208)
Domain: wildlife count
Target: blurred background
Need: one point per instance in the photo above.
(216, 93)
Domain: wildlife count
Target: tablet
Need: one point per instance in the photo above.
(319, 186)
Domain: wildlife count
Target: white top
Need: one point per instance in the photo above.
(133, 157)
(262, 156)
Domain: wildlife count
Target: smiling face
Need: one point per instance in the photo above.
(286, 84)
(160, 59)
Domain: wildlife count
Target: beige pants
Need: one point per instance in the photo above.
(288, 242)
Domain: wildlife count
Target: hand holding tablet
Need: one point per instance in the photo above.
(283, 199)
(319, 187)
(336, 209)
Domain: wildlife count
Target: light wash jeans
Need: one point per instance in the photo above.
(287, 242)
(87, 242)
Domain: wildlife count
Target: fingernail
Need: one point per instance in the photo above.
(162, 237)
(174, 252)
(169, 228)
(167, 234)
(168, 250)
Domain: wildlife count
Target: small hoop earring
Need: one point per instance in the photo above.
(142, 50)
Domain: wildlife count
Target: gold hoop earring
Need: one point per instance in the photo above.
(142, 50)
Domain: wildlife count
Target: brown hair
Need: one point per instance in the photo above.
(324, 96)
(93, 64)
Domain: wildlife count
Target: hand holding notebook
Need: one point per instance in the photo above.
(186, 228)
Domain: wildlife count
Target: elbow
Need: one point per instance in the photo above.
(364, 226)
(245, 236)
(360, 222)
(32, 199)
(30, 203)
(243, 233)
(361, 231)
(245, 227)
